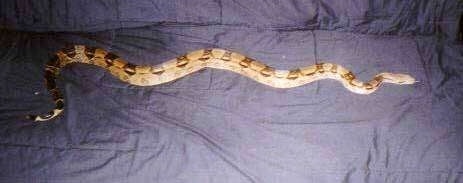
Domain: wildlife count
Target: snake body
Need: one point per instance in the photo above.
(205, 58)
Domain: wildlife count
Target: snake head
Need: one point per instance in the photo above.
(400, 79)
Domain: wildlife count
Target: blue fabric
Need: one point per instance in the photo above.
(217, 126)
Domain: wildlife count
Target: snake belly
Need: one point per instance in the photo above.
(144, 75)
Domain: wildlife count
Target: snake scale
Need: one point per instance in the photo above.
(205, 58)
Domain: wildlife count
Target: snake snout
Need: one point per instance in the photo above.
(406, 79)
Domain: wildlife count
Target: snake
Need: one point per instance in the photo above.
(216, 58)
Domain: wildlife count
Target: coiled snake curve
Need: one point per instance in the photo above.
(197, 60)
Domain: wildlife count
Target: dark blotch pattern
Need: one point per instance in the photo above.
(267, 71)
(246, 62)
(50, 80)
(320, 68)
(334, 69)
(368, 86)
(56, 94)
(129, 69)
(111, 56)
(54, 61)
(157, 72)
(109, 59)
(293, 74)
(69, 51)
(226, 56)
(59, 104)
(90, 52)
(182, 61)
(207, 54)
(348, 76)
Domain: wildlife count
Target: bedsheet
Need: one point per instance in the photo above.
(218, 126)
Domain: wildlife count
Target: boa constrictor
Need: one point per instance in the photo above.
(197, 60)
